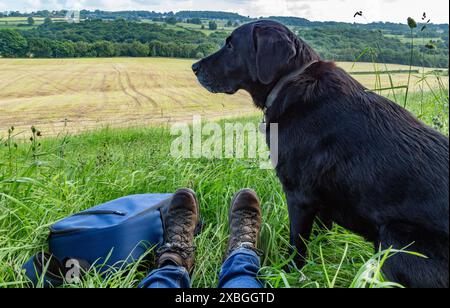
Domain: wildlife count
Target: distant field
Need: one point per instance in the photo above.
(75, 95)
(405, 39)
(187, 26)
(22, 22)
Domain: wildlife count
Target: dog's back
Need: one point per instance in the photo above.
(375, 168)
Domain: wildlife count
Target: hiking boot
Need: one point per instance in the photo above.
(181, 221)
(245, 221)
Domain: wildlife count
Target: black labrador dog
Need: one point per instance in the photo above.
(346, 155)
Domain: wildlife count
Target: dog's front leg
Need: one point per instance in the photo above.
(301, 215)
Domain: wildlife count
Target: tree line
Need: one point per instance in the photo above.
(99, 38)
(348, 44)
(134, 15)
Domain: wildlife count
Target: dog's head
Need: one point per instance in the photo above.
(254, 57)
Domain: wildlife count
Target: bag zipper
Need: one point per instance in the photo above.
(101, 212)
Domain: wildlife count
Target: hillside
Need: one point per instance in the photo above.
(193, 34)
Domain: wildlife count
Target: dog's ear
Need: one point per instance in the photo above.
(274, 49)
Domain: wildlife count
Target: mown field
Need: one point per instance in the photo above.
(22, 22)
(74, 95)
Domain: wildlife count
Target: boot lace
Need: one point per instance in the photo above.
(246, 235)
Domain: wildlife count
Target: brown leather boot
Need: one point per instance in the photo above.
(245, 221)
(181, 221)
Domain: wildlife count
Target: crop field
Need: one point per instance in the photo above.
(75, 95)
(22, 23)
(78, 95)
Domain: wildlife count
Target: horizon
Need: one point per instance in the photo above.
(259, 17)
(318, 10)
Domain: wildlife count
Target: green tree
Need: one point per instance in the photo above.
(48, 21)
(63, 49)
(12, 44)
(104, 49)
(171, 20)
(137, 49)
(206, 49)
(30, 21)
(40, 48)
(84, 49)
(156, 48)
(212, 25)
(195, 21)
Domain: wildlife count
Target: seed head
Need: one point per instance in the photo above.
(412, 23)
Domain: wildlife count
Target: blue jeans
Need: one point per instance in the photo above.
(239, 271)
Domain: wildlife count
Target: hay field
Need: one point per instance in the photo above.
(81, 94)
(74, 95)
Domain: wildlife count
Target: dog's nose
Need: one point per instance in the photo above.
(196, 68)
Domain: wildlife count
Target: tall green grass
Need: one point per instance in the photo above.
(45, 179)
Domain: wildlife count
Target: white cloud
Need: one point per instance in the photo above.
(339, 10)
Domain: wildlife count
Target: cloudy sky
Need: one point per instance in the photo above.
(337, 10)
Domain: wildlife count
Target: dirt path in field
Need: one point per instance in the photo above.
(104, 90)
(132, 87)
(124, 88)
(130, 90)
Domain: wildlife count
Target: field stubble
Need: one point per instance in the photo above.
(75, 95)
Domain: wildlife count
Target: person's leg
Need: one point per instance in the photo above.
(240, 270)
(242, 264)
(176, 257)
(169, 276)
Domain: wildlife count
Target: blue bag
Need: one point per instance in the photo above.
(110, 235)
